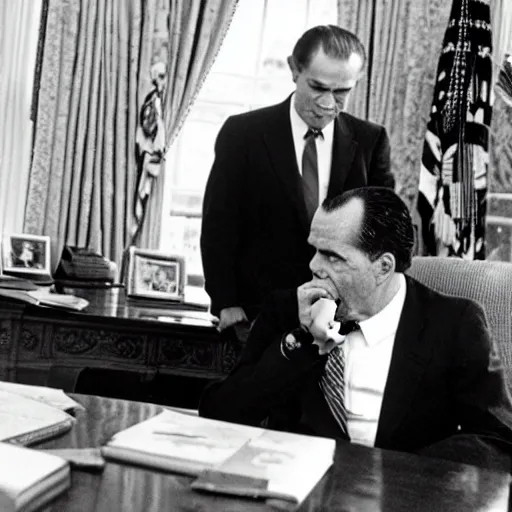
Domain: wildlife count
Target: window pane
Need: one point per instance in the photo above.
(195, 155)
(227, 87)
(322, 12)
(213, 112)
(271, 90)
(279, 37)
(183, 239)
(186, 202)
(240, 48)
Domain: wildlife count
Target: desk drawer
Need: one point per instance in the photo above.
(185, 351)
(100, 344)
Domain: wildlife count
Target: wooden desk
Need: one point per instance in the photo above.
(361, 479)
(49, 346)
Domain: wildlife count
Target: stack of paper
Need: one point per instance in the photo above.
(227, 457)
(29, 478)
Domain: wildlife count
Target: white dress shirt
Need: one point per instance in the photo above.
(323, 149)
(367, 359)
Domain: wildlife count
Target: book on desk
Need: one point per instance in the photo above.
(27, 421)
(43, 296)
(29, 478)
(49, 396)
(225, 457)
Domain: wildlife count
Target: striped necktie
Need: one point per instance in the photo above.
(310, 171)
(332, 382)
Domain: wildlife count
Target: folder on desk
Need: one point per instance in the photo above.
(49, 396)
(26, 421)
(228, 458)
(44, 297)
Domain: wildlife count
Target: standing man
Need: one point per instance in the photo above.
(275, 165)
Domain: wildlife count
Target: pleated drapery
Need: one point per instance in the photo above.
(403, 39)
(82, 175)
(500, 152)
(19, 24)
(196, 34)
(501, 23)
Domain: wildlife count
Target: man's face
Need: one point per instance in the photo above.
(322, 89)
(339, 266)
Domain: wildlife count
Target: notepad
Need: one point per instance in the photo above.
(29, 478)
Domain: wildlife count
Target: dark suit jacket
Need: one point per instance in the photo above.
(444, 374)
(255, 226)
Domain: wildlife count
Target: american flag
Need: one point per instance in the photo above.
(150, 141)
(453, 178)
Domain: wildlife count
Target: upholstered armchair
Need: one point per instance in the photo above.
(487, 282)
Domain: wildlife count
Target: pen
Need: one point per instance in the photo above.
(177, 434)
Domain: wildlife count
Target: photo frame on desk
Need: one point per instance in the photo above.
(155, 275)
(27, 256)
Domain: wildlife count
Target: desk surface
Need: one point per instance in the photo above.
(113, 303)
(361, 478)
(51, 346)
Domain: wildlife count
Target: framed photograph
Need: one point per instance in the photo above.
(155, 275)
(26, 254)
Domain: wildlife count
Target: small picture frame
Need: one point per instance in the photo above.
(26, 255)
(155, 275)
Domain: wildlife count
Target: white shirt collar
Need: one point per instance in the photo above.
(299, 127)
(385, 322)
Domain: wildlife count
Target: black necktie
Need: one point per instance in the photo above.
(310, 172)
(348, 327)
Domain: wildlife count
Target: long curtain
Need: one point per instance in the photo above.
(81, 182)
(19, 23)
(501, 22)
(197, 30)
(403, 39)
(498, 234)
(500, 152)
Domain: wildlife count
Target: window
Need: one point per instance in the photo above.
(250, 72)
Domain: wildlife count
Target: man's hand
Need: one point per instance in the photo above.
(308, 294)
(231, 316)
(316, 313)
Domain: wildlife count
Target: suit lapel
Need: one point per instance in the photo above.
(344, 147)
(281, 149)
(410, 356)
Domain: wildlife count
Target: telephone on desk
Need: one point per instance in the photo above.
(83, 265)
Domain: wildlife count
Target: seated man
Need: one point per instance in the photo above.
(420, 372)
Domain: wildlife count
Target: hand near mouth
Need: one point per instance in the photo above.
(307, 295)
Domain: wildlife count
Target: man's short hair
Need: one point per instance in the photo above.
(335, 41)
(386, 225)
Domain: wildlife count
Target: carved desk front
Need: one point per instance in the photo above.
(49, 346)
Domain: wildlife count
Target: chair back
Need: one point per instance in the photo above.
(487, 282)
